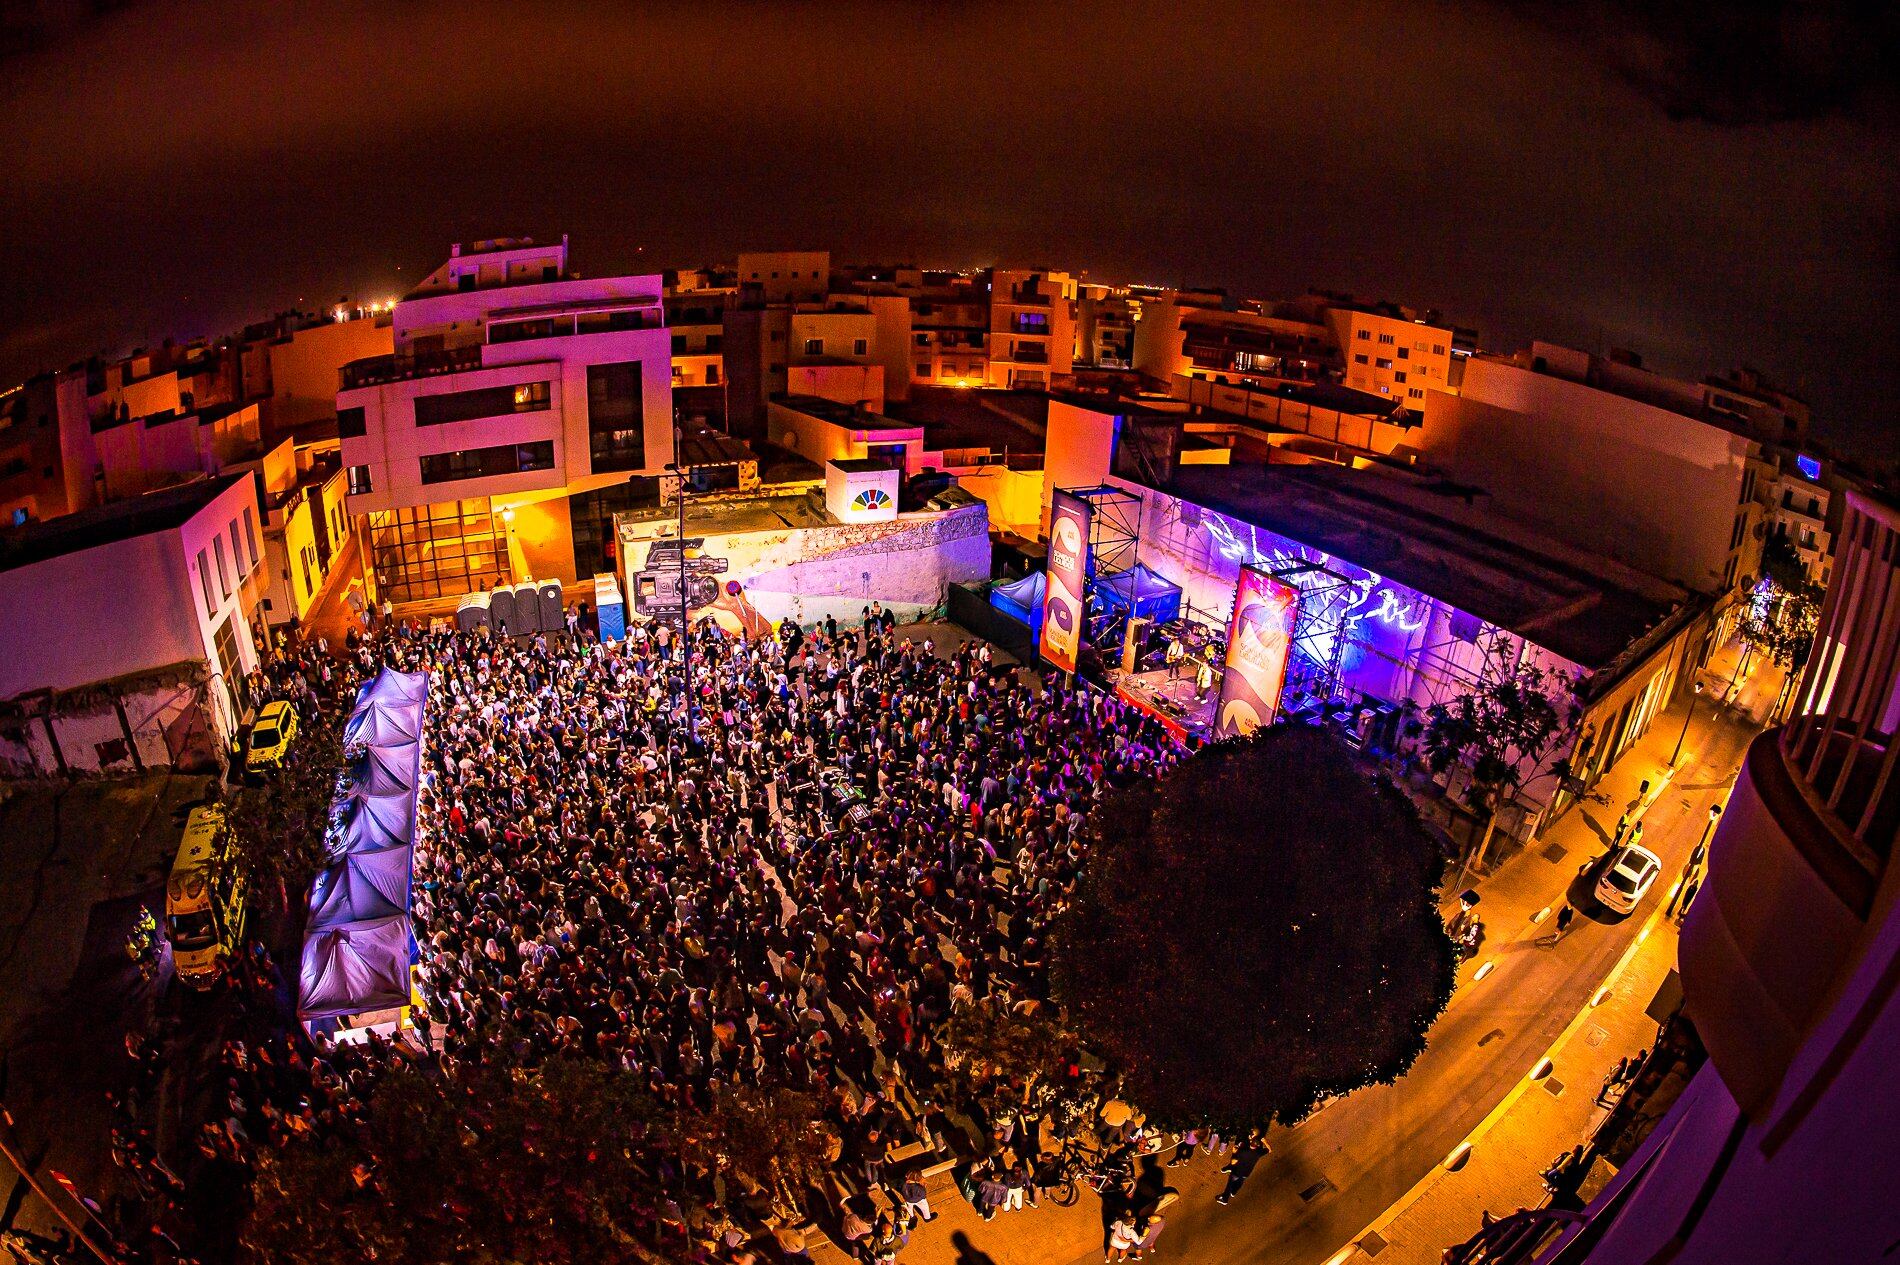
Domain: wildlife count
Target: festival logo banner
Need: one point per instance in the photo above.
(1066, 603)
(1258, 639)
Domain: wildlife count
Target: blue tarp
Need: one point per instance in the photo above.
(1136, 591)
(1022, 600)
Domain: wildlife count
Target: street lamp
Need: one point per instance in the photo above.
(1685, 724)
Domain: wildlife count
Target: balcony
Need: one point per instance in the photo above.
(1030, 354)
(379, 371)
(1019, 297)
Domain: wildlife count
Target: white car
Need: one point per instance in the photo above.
(1628, 878)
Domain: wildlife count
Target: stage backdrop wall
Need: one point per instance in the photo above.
(753, 579)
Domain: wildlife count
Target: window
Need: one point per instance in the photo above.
(1385, 390)
(1365, 333)
(923, 340)
(679, 344)
(1415, 393)
(224, 569)
(1399, 377)
(237, 554)
(1438, 349)
(204, 583)
(616, 417)
(439, 550)
(483, 463)
(1360, 358)
(1405, 353)
(814, 346)
(860, 346)
(462, 406)
(1383, 362)
(250, 534)
(1385, 338)
(358, 477)
(923, 368)
(712, 375)
(349, 423)
(714, 342)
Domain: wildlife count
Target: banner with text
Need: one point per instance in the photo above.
(1258, 638)
(1067, 603)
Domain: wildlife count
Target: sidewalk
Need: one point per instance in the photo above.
(1345, 1168)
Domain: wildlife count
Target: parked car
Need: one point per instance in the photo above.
(1628, 878)
(271, 735)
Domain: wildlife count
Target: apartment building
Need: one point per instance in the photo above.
(32, 461)
(1105, 327)
(1623, 462)
(950, 330)
(1392, 352)
(1788, 960)
(1032, 328)
(695, 304)
(497, 440)
(129, 629)
(1798, 509)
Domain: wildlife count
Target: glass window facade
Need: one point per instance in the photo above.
(463, 406)
(441, 550)
(616, 417)
(592, 514)
(482, 463)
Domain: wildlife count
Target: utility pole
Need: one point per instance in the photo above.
(678, 467)
(1685, 724)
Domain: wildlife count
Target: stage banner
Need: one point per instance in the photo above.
(1067, 602)
(1258, 638)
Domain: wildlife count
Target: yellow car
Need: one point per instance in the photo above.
(270, 738)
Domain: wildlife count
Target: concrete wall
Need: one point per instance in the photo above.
(305, 368)
(1637, 483)
(148, 726)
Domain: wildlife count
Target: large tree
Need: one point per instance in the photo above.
(1255, 932)
(1506, 731)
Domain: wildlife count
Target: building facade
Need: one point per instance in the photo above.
(488, 446)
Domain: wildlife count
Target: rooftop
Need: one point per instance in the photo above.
(956, 418)
(1434, 538)
(163, 510)
(846, 415)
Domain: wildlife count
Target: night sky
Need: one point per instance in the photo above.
(1708, 194)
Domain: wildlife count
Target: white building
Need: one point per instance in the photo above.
(497, 441)
(128, 629)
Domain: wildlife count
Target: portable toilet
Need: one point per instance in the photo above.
(471, 613)
(528, 606)
(610, 607)
(553, 614)
(501, 612)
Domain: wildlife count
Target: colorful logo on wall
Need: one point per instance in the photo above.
(871, 499)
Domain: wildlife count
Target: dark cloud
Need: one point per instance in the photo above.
(1741, 64)
(181, 168)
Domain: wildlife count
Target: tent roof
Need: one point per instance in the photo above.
(355, 967)
(1136, 583)
(1028, 591)
(361, 887)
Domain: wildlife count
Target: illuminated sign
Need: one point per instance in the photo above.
(871, 499)
(1809, 466)
(1258, 638)
(1066, 604)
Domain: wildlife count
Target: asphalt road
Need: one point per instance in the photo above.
(1333, 1175)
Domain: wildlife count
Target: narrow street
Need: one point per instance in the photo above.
(1335, 1175)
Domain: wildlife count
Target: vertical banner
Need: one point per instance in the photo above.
(1066, 604)
(1258, 638)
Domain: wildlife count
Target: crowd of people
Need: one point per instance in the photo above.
(788, 874)
(712, 861)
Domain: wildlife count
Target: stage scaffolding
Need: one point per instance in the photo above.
(1321, 629)
(1114, 545)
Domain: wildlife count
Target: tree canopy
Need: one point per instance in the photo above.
(1255, 932)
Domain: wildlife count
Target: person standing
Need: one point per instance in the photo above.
(1565, 916)
(916, 1198)
(1247, 1157)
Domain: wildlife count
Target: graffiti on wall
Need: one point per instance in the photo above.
(749, 581)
